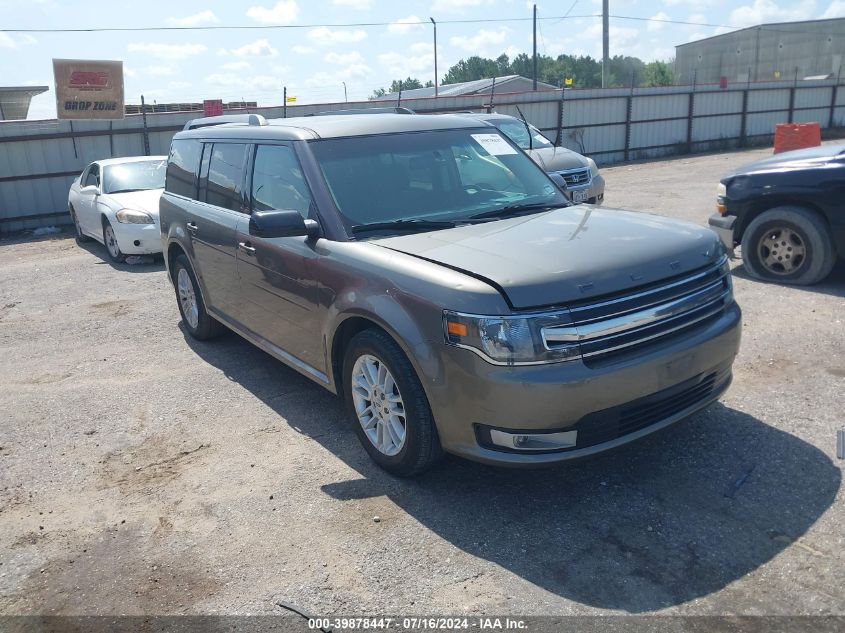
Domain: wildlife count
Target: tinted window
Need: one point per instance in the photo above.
(225, 174)
(182, 167)
(277, 181)
(148, 174)
(440, 175)
(516, 131)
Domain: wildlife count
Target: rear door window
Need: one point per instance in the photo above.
(182, 167)
(223, 186)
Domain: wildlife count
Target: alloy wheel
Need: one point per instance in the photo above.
(187, 298)
(782, 251)
(378, 405)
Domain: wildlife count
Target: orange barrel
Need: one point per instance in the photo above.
(790, 136)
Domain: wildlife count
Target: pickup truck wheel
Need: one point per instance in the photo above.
(197, 321)
(788, 244)
(387, 405)
(80, 236)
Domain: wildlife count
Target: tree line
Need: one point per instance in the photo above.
(584, 71)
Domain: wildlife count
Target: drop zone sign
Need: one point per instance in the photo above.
(88, 89)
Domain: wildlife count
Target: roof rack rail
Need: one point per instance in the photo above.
(249, 119)
(364, 111)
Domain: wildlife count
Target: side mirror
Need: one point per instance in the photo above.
(561, 184)
(90, 189)
(286, 223)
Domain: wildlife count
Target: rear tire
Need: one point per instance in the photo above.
(394, 407)
(199, 324)
(791, 245)
(80, 236)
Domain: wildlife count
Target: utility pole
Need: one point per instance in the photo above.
(605, 42)
(435, 56)
(285, 103)
(146, 132)
(535, 46)
(345, 98)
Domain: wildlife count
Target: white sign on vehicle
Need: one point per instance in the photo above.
(494, 144)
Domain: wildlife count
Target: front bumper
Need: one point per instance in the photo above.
(594, 190)
(723, 225)
(138, 239)
(474, 395)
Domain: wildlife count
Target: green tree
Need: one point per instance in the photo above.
(405, 84)
(471, 69)
(658, 74)
(378, 92)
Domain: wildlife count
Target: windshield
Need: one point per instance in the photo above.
(436, 176)
(515, 130)
(148, 174)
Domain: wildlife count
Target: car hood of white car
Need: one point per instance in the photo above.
(141, 200)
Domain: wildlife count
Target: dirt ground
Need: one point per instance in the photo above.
(146, 473)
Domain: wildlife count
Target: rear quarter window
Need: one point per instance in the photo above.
(183, 167)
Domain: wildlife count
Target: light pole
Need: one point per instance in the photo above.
(345, 99)
(435, 55)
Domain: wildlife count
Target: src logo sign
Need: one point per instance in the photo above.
(84, 79)
(89, 89)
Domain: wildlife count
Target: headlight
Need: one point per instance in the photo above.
(131, 216)
(594, 169)
(511, 340)
(721, 194)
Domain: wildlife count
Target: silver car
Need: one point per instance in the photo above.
(583, 181)
(428, 272)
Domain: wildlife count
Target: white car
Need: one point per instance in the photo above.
(115, 201)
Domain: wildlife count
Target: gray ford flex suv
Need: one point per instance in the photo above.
(425, 269)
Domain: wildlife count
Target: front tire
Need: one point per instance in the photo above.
(791, 245)
(387, 405)
(110, 242)
(199, 324)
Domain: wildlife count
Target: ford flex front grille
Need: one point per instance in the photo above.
(615, 325)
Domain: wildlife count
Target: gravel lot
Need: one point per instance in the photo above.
(145, 473)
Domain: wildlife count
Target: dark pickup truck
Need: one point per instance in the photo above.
(788, 214)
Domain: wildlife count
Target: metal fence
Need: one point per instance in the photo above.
(40, 159)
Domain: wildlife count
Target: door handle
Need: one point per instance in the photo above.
(192, 228)
(246, 248)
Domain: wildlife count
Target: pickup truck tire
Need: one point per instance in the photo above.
(790, 245)
(199, 324)
(390, 394)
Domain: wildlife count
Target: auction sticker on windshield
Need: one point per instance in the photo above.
(494, 144)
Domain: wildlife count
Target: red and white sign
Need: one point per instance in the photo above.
(88, 89)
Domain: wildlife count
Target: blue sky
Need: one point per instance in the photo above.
(313, 61)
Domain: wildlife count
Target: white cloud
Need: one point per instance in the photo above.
(264, 83)
(479, 42)
(344, 59)
(197, 19)
(762, 11)
(454, 6)
(835, 10)
(405, 25)
(657, 26)
(7, 41)
(323, 79)
(283, 12)
(303, 50)
(361, 5)
(327, 37)
(258, 48)
(167, 51)
(159, 71)
(242, 65)
(404, 65)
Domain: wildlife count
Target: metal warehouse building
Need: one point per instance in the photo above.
(767, 52)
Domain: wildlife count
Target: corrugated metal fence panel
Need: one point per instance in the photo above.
(594, 122)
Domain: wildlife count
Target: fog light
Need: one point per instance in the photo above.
(534, 441)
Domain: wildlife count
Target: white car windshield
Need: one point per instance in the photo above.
(139, 176)
(448, 176)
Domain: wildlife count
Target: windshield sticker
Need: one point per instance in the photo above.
(494, 144)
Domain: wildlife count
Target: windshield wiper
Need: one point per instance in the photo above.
(404, 225)
(127, 190)
(515, 209)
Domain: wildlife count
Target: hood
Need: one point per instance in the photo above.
(568, 254)
(557, 158)
(799, 159)
(141, 200)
